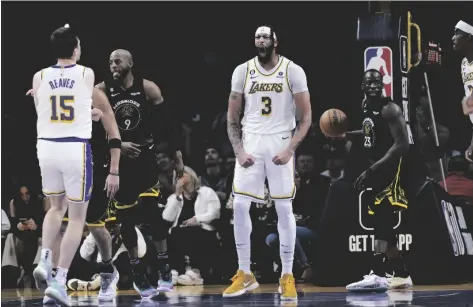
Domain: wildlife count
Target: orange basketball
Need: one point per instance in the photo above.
(333, 123)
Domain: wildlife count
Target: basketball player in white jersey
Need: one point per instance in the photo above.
(63, 96)
(273, 89)
(463, 43)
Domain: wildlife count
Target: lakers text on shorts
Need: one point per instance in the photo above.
(66, 168)
(250, 181)
(394, 193)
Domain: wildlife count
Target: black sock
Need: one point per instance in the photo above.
(379, 264)
(163, 260)
(399, 267)
(106, 266)
(135, 266)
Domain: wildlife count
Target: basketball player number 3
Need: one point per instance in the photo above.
(266, 106)
(66, 114)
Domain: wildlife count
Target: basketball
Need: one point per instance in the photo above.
(333, 123)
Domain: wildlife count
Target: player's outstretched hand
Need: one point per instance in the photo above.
(130, 149)
(283, 157)
(469, 153)
(96, 114)
(112, 184)
(244, 159)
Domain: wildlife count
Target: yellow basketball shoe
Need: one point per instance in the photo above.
(287, 288)
(241, 284)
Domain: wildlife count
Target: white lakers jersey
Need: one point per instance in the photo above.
(64, 103)
(269, 104)
(467, 76)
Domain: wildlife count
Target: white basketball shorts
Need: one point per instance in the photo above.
(250, 181)
(66, 168)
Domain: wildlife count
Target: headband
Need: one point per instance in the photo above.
(265, 31)
(461, 25)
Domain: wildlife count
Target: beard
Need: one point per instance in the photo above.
(268, 51)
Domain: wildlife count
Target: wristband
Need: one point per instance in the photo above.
(114, 174)
(115, 143)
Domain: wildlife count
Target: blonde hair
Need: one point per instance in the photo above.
(195, 181)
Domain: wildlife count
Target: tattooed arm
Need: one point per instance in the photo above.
(298, 84)
(235, 103)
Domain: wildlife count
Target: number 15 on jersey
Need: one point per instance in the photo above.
(62, 110)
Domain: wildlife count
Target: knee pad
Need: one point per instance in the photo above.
(241, 210)
(128, 234)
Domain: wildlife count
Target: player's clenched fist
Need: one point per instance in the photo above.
(245, 159)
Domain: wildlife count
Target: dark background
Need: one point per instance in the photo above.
(169, 41)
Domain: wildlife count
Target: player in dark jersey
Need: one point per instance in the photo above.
(143, 122)
(385, 142)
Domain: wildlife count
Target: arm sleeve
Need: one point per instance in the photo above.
(238, 78)
(297, 78)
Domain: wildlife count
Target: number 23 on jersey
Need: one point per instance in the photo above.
(62, 109)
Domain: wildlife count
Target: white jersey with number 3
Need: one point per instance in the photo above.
(467, 76)
(64, 103)
(268, 95)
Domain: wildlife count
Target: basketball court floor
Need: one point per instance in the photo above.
(266, 295)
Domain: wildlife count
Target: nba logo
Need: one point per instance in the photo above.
(381, 59)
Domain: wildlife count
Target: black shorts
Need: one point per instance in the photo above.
(387, 186)
(137, 176)
(97, 210)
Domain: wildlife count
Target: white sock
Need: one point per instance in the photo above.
(46, 255)
(61, 275)
(287, 234)
(242, 230)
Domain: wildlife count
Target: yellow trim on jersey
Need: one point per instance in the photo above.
(99, 224)
(110, 219)
(246, 76)
(150, 193)
(53, 193)
(235, 191)
(287, 78)
(65, 219)
(84, 172)
(393, 192)
(290, 196)
(118, 206)
(281, 58)
(42, 72)
(83, 73)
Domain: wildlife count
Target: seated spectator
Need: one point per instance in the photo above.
(191, 210)
(27, 213)
(305, 166)
(5, 224)
(214, 175)
(458, 184)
